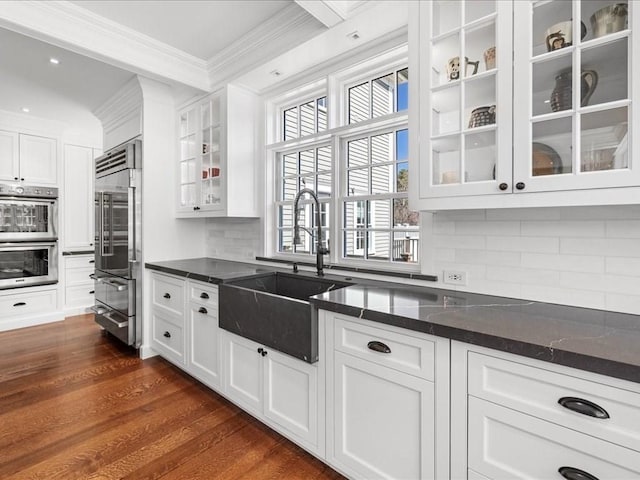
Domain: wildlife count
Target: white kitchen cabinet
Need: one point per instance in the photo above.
(28, 158)
(24, 307)
(168, 336)
(561, 134)
(38, 160)
(216, 155)
(505, 406)
(78, 209)
(10, 164)
(204, 353)
(273, 386)
(78, 286)
(384, 387)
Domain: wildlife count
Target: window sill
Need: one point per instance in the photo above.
(346, 268)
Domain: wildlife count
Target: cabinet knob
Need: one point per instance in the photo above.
(585, 407)
(262, 351)
(202, 310)
(520, 185)
(22, 179)
(19, 304)
(92, 261)
(196, 208)
(503, 186)
(204, 295)
(91, 292)
(166, 295)
(15, 178)
(167, 334)
(571, 473)
(377, 346)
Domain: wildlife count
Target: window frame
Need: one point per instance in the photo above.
(334, 87)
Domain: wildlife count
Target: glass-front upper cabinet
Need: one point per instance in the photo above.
(216, 173)
(465, 96)
(574, 95)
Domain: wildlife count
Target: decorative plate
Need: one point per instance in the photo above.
(545, 160)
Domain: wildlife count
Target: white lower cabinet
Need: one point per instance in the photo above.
(387, 401)
(204, 353)
(505, 444)
(25, 307)
(515, 417)
(78, 285)
(274, 387)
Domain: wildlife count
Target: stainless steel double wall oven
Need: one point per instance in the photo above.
(118, 200)
(28, 235)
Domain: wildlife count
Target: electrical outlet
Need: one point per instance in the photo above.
(454, 277)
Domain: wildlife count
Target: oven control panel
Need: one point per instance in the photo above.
(8, 190)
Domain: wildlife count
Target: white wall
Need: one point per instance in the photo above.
(233, 238)
(582, 256)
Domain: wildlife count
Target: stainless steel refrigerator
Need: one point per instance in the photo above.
(118, 242)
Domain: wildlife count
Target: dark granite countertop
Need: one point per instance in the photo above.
(593, 340)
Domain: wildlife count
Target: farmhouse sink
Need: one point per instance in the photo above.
(274, 310)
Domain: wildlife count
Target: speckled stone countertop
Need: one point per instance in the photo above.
(593, 340)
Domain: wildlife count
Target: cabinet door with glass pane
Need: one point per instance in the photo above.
(187, 159)
(574, 71)
(211, 171)
(465, 97)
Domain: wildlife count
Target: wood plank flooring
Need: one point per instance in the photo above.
(76, 404)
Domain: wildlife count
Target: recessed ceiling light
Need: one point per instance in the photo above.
(275, 73)
(354, 35)
(25, 109)
(55, 61)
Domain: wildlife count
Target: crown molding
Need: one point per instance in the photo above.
(263, 43)
(124, 104)
(70, 26)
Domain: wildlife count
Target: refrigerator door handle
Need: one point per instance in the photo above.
(101, 224)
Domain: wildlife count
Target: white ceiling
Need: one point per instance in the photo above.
(67, 92)
(200, 28)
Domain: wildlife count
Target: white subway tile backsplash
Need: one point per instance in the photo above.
(623, 229)
(487, 228)
(567, 263)
(523, 244)
(444, 254)
(581, 256)
(562, 228)
(524, 276)
(623, 303)
(610, 247)
(623, 266)
(460, 241)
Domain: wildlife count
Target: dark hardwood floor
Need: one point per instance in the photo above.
(75, 404)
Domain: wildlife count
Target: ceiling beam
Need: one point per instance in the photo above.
(328, 12)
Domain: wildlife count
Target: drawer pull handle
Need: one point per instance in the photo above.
(166, 295)
(91, 292)
(202, 310)
(19, 304)
(584, 407)
(167, 334)
(377, 346)
(92, 261)
(571, 473)
(204, 295)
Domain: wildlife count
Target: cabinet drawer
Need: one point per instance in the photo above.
(408, 354)
(537, 391)
(27, 303)
(79, 261)
(504, 443)
(78, 276)
(79, 295)
(168, 293)
(203, 293)
(168, 337)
